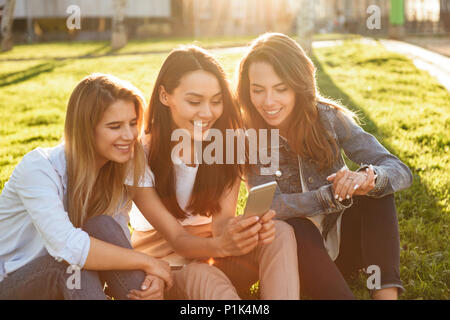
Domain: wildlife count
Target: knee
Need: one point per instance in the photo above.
(204, 271)
(283, 231)
(307, 234)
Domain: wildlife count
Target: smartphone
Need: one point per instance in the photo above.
(260, 199)
(176, 261)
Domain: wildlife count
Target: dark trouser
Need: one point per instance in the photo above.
(45, 278)
(369, 237)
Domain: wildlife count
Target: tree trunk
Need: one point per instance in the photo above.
(7, 24)
(305, 24)
(119, 33)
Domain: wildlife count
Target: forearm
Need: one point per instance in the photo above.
(106, 256)
(307, 204)
(194, 247)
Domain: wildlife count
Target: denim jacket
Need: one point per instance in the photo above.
(303, 190)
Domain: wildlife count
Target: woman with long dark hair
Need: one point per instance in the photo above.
(343, 220)
(190, 210)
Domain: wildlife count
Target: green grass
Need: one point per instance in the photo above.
(406, 109)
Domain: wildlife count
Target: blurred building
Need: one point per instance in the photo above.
(46, 19)
(421, 16)
(236, 17)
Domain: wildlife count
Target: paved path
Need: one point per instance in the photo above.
(436, 64)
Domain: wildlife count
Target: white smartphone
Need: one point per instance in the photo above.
(260, 199)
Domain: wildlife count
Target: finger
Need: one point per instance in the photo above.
(248, 245)
(339, 185)
(147, 282)
(244, 223)
(266, 235)
(267, 216)
(250, 232)
(155, 290)
(267, 240)
(132, 297)
(359, 180)
(267, 226)
(331, 177)
(348, 183)
(166, 276)
(339, 176)
(366, 187)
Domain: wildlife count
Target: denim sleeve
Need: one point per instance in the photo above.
(307, 204)
(37, 188)
(363, 148)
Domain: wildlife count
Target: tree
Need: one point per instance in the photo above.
(305, 24)
(7, 24)
(119, 32)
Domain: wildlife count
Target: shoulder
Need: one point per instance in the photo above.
(48, 160)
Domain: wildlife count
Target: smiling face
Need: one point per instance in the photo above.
(116, 133)
(272, 97)
(195, 103)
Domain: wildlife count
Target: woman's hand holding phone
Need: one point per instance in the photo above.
(240, 235)
(267, 232)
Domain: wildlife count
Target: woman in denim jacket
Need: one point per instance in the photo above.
(344, 220)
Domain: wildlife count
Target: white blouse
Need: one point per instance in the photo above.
(33, 214)
(185, 179)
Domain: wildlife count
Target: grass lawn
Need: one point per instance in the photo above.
(405, 108)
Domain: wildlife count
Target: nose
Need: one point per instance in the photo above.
(128, 133)
(268, 99)
(205, 112)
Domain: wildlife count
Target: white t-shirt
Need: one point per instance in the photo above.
(184, 183)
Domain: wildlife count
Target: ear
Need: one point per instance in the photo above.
(163, 96)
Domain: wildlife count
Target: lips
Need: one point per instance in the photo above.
(272, 114)
(124, 148)
(204, 125)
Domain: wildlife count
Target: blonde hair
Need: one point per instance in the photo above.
(309, 139)
(90, 194)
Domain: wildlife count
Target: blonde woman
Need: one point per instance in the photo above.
(64, 208)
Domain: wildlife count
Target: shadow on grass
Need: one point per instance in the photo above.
(23, 75)
(408, 201)
(29, 73)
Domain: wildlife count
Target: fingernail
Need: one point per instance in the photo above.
(144, 287)
(347, 197)
(356, 187)
(340, 199)
(336, 196)
(256, 218)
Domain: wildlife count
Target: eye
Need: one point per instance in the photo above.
(194, 103)
(257, 91)
(133, 123)
(216, 103)
(281, 90)
(115, 127)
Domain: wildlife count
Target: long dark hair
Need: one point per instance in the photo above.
(211, 180)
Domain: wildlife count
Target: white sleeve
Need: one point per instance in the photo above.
(37, 187)
(147, 181)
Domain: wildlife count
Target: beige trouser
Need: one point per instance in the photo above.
(274, 264)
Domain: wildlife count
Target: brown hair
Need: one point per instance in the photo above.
(211, 180)
(292, 65)
(90, 194)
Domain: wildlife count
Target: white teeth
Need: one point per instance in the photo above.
(272, 112)
(201, 124)
(123, 147)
